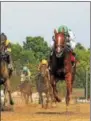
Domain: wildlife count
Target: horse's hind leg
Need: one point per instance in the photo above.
(47, 100)
(7, 84)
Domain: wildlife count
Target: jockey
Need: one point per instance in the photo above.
(69, 35)
(43, 62)
(70, 39)
(7, 45)
(26, 73)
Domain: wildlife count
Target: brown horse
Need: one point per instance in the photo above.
(61, 66)
(44, 86)
(26, 90)
(5, 74)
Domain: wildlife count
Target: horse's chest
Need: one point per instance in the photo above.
(60, 63)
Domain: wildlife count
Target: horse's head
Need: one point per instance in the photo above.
(59, 44)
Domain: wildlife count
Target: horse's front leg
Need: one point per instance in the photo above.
(69, 87)
(55, 92)
(5, 93)
(68, 78)
(7, 85)
(47, 100)
(31, 98)
(27, 98)
(41, 99)
(53, 100)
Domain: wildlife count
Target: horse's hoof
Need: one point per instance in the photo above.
(11, 102)
(53, 105)
(58, 99)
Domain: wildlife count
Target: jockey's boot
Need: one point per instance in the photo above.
(2, 81)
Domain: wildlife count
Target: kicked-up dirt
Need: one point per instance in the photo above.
(34, 112)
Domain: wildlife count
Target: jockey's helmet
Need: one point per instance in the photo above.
(3, 38)
(25, 68)
(63, 29)
(44, 62)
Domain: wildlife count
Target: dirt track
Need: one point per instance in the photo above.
(32, 112)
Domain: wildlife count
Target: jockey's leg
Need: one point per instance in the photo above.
(10, 63)
(73, 57)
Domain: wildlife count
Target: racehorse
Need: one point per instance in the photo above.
(44, 86)
(26, 90)
(61, 67)
(5, 74)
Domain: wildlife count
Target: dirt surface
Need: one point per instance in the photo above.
(34, 112)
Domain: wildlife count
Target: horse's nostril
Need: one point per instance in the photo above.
(58, 49)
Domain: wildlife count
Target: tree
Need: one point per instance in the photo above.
(38, 46)
(79, 46)
(83, 56)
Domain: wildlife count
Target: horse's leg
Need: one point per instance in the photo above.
(53, 82)
(69, 87)
(41, 99)
(5, 93)
(31, 98)
(68, 78)
(7, 84)
(47, 100)
(26, 98)
(52, 96)
(73, 73)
